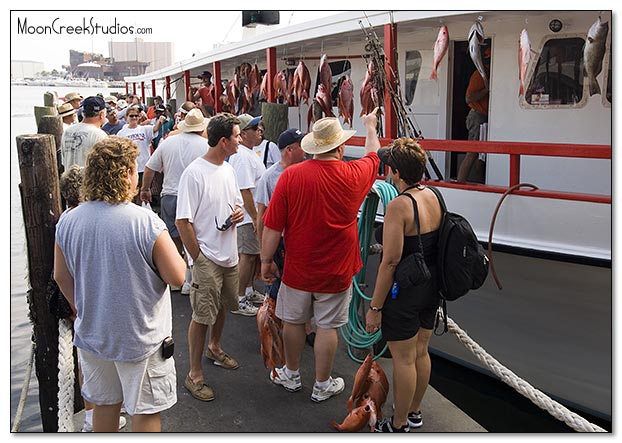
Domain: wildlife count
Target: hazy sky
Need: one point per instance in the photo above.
(166, 26)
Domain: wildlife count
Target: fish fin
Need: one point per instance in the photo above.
(594, 87)
(335, 425)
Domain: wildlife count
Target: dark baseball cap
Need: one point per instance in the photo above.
(93, 105)
(290, 137)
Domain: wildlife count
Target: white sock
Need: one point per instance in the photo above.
(88, 416)
(322, 384)
(291, 373)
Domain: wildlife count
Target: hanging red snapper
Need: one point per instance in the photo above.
(440, 49)
(524, 55)
(594, 52)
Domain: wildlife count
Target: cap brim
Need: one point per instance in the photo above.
(254, 122)
(308, 145)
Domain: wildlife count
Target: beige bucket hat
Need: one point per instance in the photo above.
(327, 134)
(65, 109)
(193, 122)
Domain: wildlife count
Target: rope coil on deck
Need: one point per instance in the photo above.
(537, 397)
(66, 376)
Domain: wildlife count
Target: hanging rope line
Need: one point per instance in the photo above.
(24, 394)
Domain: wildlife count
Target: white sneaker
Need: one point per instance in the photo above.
(246, 308)
(185, 289)
(290, 384)
(88, 427)
(255, 297)
(335, 386)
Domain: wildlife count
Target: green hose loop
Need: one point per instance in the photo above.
(354, 332)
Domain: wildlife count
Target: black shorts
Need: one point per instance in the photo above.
(413, 308)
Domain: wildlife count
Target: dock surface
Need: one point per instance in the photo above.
(247, 401)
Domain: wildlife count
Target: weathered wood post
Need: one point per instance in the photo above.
(40, 111)
(53, 124)
(275, 119)
(40, 197)
(50, 98)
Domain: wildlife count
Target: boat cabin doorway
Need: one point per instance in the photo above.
(463, 68)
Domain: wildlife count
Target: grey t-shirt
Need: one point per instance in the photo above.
(124, 307)
(267, 183)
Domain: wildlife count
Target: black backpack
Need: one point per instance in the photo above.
(462, 261)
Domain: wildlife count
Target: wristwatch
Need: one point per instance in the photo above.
(375, 309)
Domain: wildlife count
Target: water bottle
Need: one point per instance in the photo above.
(395, 289)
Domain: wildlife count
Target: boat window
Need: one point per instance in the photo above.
(413, 66)
(608, 91)
(558, 75)
(339, 69)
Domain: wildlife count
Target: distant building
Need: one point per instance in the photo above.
(156, 55)
(25, 69)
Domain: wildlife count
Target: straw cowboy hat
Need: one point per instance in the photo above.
(65, 110)
(327, 134)
(193, 122)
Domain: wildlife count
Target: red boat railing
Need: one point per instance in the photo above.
(514, 150)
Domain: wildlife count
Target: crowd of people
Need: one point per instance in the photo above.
(271, 206)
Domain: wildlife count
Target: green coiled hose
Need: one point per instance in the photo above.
(354, 331)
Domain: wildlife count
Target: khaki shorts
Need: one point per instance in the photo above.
(213, 288)
(144, 387)
(330, 310)
(247, 240)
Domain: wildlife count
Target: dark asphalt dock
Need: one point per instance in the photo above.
(247, 401)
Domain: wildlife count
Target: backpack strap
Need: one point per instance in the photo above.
(265, 153)
(441, 315)
(440, 198)
(416, 210)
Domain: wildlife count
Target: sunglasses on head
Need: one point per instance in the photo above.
(228, 222)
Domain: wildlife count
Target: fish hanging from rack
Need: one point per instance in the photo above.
(524, 57)
(345, 100)
(263, 89)
(476, 39)
(594, 52)
(254, 79)
(440, 49)
(370, 91)
(279, 84)
(301, 83)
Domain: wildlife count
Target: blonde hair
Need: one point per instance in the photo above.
(71, 185)
(106, 172)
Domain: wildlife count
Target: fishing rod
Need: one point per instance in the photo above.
(406, 126)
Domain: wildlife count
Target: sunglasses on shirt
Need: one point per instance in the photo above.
(228, 222)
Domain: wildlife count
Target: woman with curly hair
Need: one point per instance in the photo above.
(70, 186)
(406, 316)
(113, 261)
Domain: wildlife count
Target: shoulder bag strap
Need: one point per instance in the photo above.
(265, 154)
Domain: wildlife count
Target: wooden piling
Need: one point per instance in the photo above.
(40, 197)
(50, 98)
(40, 111)
(275, 119)
(53, 125)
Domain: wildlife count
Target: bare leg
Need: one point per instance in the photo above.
(146, 423)
(324, 348)
(106, 418)
(466, 165)
(424, 368)
(404, 377)
(293, 343)
(196, 343)
(247, 269)
(215, 333)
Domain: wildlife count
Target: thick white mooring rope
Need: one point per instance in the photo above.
(66, 376)
(557, 410)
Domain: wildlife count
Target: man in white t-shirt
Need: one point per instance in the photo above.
(208, 211)
(142, 135)
(171, 159)
(248, 171)
(78, 139)
(267, 151)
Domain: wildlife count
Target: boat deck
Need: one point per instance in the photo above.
(247, 401)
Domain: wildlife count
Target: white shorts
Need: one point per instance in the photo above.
(144, 387)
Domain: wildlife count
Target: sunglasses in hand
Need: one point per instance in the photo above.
(228, 222)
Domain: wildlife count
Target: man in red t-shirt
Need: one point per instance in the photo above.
(206, 94)
(315, 205)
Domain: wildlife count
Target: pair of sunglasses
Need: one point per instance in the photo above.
(228, 222)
